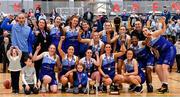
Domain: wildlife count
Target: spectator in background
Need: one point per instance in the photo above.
(171, 31)
(88, 16)
(133, 18)
(5, 46)
(1, 33)
(166, 13)
(30, 13)
(178, 55)
(177, 28)
(53, 14)
(42, 16)
(98, 23)
(15, 20)
(152, 22)
(125, 17)
(176, 16)
(143, 19)
(104, 18)
(37, 12)
(64, 18)
(117, 23)
(23, 11)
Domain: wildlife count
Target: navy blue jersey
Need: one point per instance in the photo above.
(104, 36)
(47, 67)
(68, 64)
(161, 44)
(95, 48)
(166, 50)
(71, 40)
(55, 35)
(89, 65)
(108, 65)
(129, 67)
(143, 54)
(119, 42)
(84, 46)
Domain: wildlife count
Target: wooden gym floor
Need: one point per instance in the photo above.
(174, 81)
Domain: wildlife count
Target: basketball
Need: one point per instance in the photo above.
(7, 84)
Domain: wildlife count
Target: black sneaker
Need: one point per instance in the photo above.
(163, 90)
(139, 89)
(159, 89)
(132, 87)
(104, 89)
(149, 88)
(63, 89)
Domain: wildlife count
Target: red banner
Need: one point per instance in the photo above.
(155, 6)
(17, 7)
(116, 7)
(135, 6)
(175, 6)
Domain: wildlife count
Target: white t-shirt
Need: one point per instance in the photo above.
(14, 63)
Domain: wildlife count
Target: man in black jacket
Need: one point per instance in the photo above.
(88, 16)
(4, 47)
(176, 16)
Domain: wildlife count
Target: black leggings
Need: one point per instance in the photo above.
(15, 80)
(32, 89)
